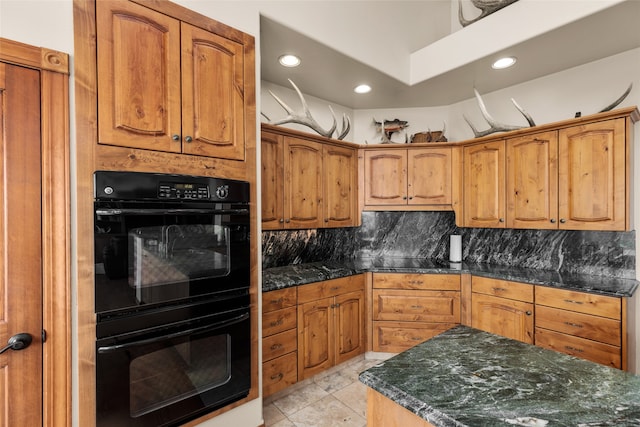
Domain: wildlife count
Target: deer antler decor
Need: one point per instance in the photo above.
(495, 125)
(486, 6)
(617, 102)
(305, 118)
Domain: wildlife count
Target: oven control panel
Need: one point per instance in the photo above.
(182, 190)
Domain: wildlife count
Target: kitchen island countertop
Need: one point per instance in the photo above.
(467, 377)
(300, 274)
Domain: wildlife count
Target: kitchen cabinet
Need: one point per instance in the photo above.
(307, 183)
(279, 340)
(178, 88)
(584, 325)
(330, 323)
(411, 308)
(409, 177)
(503, 308)
(483, 183)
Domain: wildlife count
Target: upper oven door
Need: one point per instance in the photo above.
(149, 252)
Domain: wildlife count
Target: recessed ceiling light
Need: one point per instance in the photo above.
(505, 62)
(289, 60)
(362, 89)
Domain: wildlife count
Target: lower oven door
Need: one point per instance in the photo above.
(173, 374)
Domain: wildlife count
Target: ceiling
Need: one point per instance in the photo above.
(331, 75)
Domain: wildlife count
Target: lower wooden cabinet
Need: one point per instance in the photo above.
(411, 308)
(330, 323)
(584, 325)
(503, 308)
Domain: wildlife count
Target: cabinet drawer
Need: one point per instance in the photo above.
(580, 347)
(579, 324)
(395, 337)
(330, 288)
(582, 302)
(279, 344)
(444, 282)
(502, 288)
(278, 321)
(279, 373)
(282, 298)
(426, 306)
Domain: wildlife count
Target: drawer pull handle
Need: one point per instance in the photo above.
(499, 289)
(334, 288)
(575, 325)
(416, 339)
(416, 307)
(276, 346)
(416, 282)
(277, 322)
(577, 350)
(277, 301)
(571, 301)
(277, 376)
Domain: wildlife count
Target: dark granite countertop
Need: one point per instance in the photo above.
(300, 274)
(466, 377)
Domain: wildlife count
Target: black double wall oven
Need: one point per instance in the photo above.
(172, 275)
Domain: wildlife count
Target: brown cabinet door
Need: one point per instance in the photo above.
(429, 176)
(484, 185)
(316, 342)
(272, 179)
(303, 183)
(138, 77)
(340, 186)
(349, 323)
(532, 181)
(212, 95)
(592, 178)
(501, 316)
(385, 178)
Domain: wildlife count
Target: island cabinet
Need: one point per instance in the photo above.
(307, 182)
(402, 179)
(411, 308)
(503, 308)
(279, 340)
(584, 325)
(573, 177)
(179, 88)
(330, 323)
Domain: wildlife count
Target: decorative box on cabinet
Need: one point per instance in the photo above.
(166, 85)
(330, 323)
(584, 325)
(418, 177)
(411, 308)
(307, 182)
(503, 308)
(279, 340)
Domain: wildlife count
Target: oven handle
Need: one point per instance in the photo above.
(114, 212)
(224, 323)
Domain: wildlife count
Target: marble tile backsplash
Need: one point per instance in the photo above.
(426, 235)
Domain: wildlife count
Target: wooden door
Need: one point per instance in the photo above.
(340, 186)
(532, 181)
(385, 177)
(429, 176)
(303, 183)
(510, 318)
(591, 163)
(138, 77)
(484, 186)
(20, 233)
(212, 95)
(349, 324)
(272, 179)
(316, 342)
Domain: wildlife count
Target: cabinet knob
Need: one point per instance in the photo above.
(175, 137)
(404, 197)
(501, 220)
(287, 220)
(326, 220)
(188, 138)
(552, 220)
(562, 220)
(411, 198)
(528, 313)
(281, 220)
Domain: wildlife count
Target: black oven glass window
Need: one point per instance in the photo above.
(171, 374)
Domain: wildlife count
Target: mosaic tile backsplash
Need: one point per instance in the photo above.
(426, 235)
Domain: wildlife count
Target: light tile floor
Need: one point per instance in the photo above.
(332, 398)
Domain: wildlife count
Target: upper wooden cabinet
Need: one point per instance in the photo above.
(307, 183)
(417, 177)
(166, 85)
